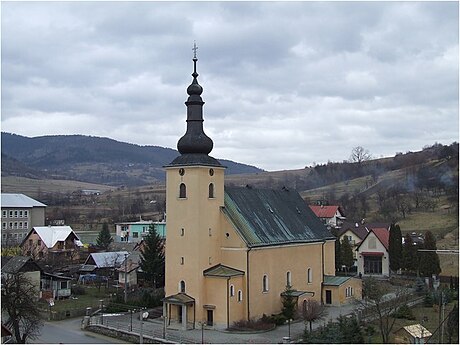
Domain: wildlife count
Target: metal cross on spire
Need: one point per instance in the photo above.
(195, 48)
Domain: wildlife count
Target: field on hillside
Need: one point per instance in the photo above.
(33, 187)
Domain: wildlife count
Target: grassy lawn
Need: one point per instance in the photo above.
(90, 299)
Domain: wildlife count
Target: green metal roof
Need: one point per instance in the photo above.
(335, 280)
(267, 217)
(296, 293)
(222, 271)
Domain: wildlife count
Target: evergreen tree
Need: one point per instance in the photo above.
(346, 253)
(289, 303)
(338, 254)
(350, 330)
(395, 247)
(153, 258)
(104, 238)
(409, 254)
(429, 261)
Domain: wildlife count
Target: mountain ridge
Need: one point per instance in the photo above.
(92, 159)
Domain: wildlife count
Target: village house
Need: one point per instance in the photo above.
(55, 286)
(130, 267)
(354, 233)
(104, 263)
(20, 214)
(56, 245)
(332, 216)
(373, 256)
(13, 265)
(136, 231)
(231, 252)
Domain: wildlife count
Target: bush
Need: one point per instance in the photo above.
(252, 325)
(77, 290)
(428, 300)
(279, 319)
(404, 312)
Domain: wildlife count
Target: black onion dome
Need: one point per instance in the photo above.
(195, 145)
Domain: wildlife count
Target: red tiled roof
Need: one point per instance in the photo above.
(383, 235)
(324, 211)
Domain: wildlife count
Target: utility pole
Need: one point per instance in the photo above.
(443, 309)
(126, 278)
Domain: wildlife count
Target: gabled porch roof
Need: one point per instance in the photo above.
(222, 271)
(179, 298)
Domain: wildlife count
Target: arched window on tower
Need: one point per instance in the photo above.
(288, 279)
(309, 276)
(182, 286)
(182, 191)
(211, 190)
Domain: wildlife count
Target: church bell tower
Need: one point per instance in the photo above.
(194, 196)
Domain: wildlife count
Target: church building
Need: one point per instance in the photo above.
(231, 252)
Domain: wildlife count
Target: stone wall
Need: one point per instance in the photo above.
(123, 335)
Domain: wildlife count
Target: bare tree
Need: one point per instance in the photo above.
(312, 311)
(359, 154)
(380, 302)
(20, 307)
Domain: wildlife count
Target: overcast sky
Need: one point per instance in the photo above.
(285, 84)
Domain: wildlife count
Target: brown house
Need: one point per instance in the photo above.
(55, 244)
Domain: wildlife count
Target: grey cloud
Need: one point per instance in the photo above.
(285, 83)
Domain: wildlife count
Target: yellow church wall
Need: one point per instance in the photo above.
(216, 300)
(195, 248)
(275, 262)
(237, 307)
(329, 258)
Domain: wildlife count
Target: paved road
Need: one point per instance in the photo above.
(69, 332)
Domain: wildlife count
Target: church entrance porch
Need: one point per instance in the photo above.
(179, 311)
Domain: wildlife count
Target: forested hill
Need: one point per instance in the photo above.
(91, 159)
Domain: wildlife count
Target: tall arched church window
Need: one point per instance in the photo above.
(288, 279)
(182, 191)
(309, 276)
(182, 286)
(211, 190)
(265, 283)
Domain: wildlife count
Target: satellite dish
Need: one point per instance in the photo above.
(145, 315)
